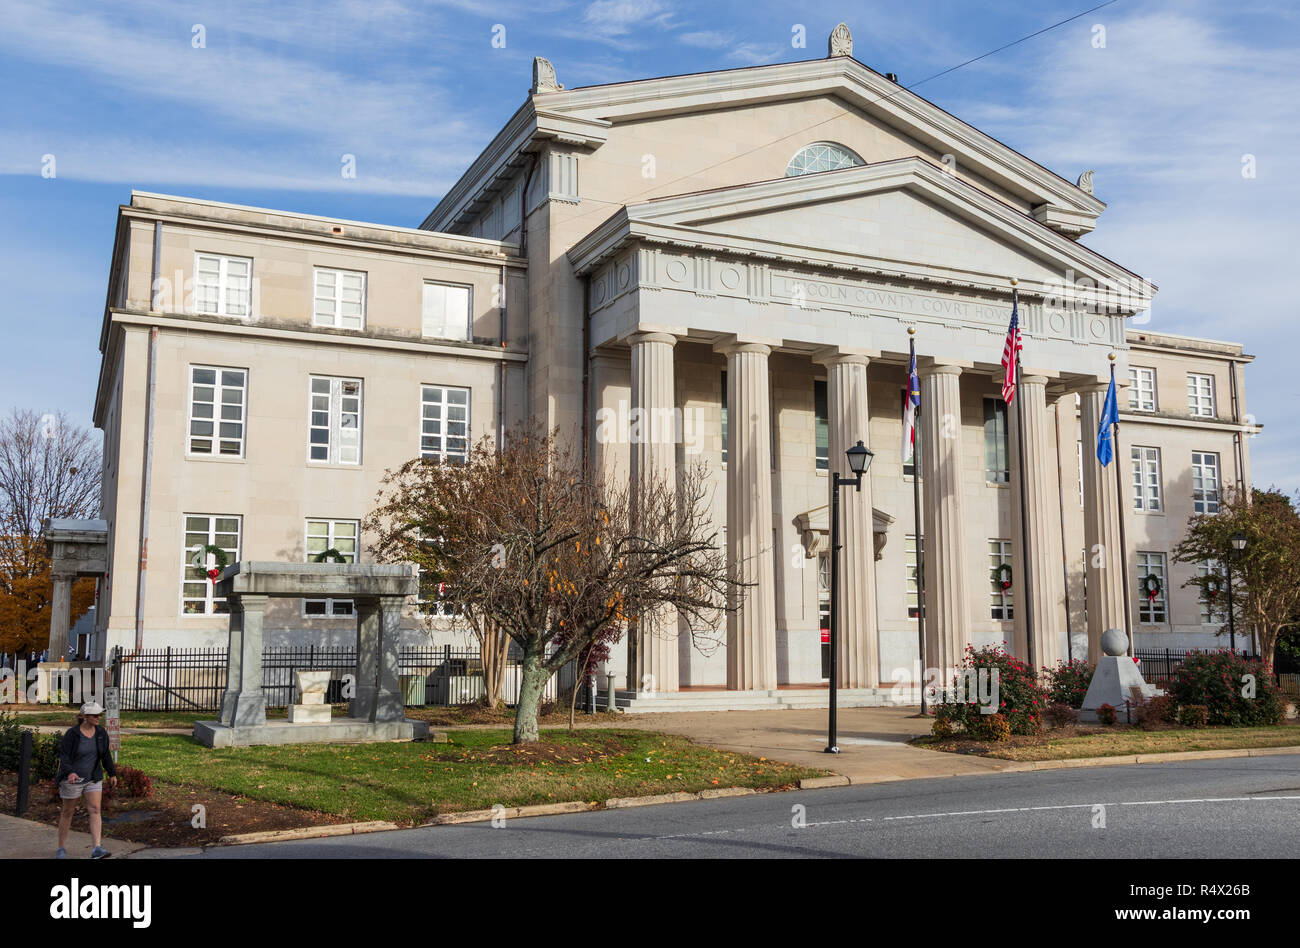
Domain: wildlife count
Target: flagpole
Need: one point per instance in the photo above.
(1024, 517)
(916, 514)
(1119, 502)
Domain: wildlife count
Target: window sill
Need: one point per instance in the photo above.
(220, 459)
(326, 465)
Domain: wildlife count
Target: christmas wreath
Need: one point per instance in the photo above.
(1213, 586)
(1151, 586)
(330, 554)
(1003, 574)
(219, 558)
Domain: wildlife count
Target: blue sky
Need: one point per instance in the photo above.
(263, 111)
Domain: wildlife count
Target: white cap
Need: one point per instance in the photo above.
(92, 708)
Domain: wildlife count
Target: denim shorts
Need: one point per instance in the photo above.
(73, 791)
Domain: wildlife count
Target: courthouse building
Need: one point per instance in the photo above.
(745, 250)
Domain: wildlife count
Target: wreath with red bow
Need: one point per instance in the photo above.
(1213, 586)
(330, 554)
(1003, 574)
(1151, 586)
(219, 559)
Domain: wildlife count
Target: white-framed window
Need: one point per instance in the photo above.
(1141, 388)
(723, 419)
(997, 467)
(1200, 395)
(334, 423)
(823, 591)
(339, 298)
(218, 402)
(223, 286)
(446, 310)
(202, 531)
(1213, 611)
(322, 535)
(444, 423)
(1001, 599)
(1152, 609)
(821, 426)
(914, 564)
(822, 156)
(431, 596)
(1205, 482)
(1146, 478)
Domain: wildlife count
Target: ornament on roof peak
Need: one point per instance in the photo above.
(841, 41)
(1085, 180)
(544, 76)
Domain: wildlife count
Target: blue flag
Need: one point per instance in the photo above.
(1109, 416)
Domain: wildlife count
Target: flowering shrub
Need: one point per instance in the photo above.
(1068, 682)
(1218, 680)
(989, 727)
(1106, 715)
(1019, 697)
(1193, 715)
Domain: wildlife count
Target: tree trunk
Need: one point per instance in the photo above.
(532, 683)
(494, 645)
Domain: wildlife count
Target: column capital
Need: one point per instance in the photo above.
(1028, 379)
(649, 335)
(735, 344)
(254, 601)
(844, 355)
(939, 368)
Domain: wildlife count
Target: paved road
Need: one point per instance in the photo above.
(1231, 808)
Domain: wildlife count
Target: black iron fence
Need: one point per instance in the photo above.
(194, 679)
(1159, 664)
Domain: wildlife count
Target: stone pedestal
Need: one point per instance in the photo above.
(1116, 680)
(311, 707)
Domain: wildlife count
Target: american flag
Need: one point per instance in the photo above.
(1010, 352)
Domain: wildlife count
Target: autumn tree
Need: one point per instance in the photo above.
(49, 468)
(523, 542)
(1265, 576)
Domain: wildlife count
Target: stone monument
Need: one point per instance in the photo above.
(1116, 679)
(311, 707)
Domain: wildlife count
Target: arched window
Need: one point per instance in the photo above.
(821, 156)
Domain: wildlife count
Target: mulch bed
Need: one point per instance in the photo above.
(164, 818)
(546, 752)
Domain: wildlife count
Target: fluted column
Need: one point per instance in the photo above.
(751, 629)
(858, 656)
(1101, 512)
(1045, 597)
(653, 448)
(947, 609)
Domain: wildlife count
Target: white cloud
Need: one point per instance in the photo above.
(613, 18)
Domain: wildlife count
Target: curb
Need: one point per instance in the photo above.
(817, 783)
(579, 806)
(1028, 765)
(308, 832)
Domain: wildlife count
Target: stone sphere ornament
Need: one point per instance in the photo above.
(1114, 642)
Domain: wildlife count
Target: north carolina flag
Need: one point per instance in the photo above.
(910, 405)
(1109, 416)
(1010, 348)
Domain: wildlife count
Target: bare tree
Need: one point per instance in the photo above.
(526, 544)
(49, 468)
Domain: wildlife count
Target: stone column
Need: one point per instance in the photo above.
(751, 629)
(1101, 513)
(653, 435)
(379, 624)
(858, 653)
(244, 703)
(60, 615)
(1045, 598)
(947, 607)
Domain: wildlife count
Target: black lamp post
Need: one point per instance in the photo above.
(859, 460)
(1236, 543)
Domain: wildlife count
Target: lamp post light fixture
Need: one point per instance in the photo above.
(1236, 543)
(859, 461)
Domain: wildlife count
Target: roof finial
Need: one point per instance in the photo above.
(841, 42)
(544, 76)
(1085, 180)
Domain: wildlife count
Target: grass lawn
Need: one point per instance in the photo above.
(412, 782)
(456, 716)
(1077, 741)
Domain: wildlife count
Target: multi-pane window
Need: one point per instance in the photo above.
(1000, 555)
(1214, 609)
(997, 470)
(446, 311)
(340, 299)
(1151, 608)
(1205, 482)
(203, 531)
(444, 423)
(1146, 478)
(821, 156)
(337, 535)
(335, 422)
(223, 285)
(1200, 395)
(724, 418)
(1141, 388)
(217, 410)
(821, 415)
(914, 563)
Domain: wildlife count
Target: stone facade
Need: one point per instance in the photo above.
(654, 255)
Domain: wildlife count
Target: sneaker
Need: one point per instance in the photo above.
(60, 853)
(99, 852)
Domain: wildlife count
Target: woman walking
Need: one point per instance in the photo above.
(84, 755)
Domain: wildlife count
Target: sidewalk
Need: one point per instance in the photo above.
(27, 839)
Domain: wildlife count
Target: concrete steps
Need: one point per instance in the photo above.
(779, 699)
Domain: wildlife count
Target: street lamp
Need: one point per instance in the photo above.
(1237, 543)
(859, 460)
